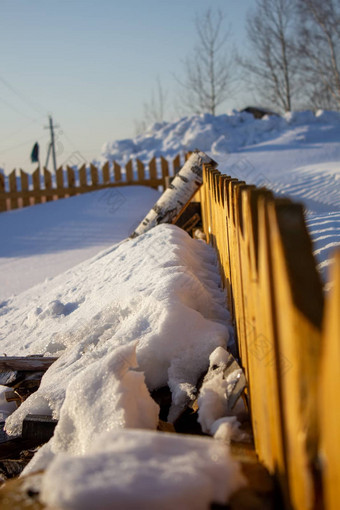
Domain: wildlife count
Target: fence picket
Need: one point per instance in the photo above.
(94, 175)
(176, 164)
(3, 205)
(71, 181)
(129, 171)
(12, 179)
(165, 169)
(83, 177)
(117, 172)
(106, 172)
(329, 392)
(24, 188)
(153, 173)
(36, 185)
(60, 182)
(140, 171)
(48, 185)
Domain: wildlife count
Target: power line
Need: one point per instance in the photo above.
(15, 109)
(33, 105)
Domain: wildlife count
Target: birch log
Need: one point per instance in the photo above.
(175, 199)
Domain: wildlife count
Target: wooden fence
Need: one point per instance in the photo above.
(291, 358)
(24, 189)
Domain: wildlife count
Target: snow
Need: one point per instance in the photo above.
(297, 155)
(160, 289)
(127, 316)
(165, 470)
(45, 240)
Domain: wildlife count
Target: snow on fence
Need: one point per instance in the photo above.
(24, 189)
(291, 357)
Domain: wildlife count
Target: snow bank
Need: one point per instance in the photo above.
(146, 470)
(161, 289)
(212, 134)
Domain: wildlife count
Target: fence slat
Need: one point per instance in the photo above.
(36, 185)
(329, 410)
(94, 175)
(83, 176)
(117, 172)
(153, 173)
(299, 305)
(71, 181)
(106, 172)
(129, 172)
(3, 206)
(48, 184)
(140, 171)
(165, 169)
(12, 179)
(60, 183)
(24, 188)
(176, 164)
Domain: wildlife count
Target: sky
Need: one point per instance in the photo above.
(91, 65)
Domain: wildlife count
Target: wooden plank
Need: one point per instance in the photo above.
(153, 173)
(48, 184)
(129, 172)
(176, 164)
(60, 183)
(106, 172)
(82, 176)
(165, 170)
(94, 175)
(24, 188)
(298, 315)
(38, 427)
(117, 172)
(140, 172)
(36, 185)
(28, 363)
(12, 179)
(71, 181)
(329, 404)
(3, 206)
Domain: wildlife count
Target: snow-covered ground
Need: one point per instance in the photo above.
(127, 316)
(45, 240)
(144, 313)
(297, 155)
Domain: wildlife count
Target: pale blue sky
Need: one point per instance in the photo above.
(92, 64)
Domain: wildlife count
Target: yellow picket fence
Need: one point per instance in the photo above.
(289, 351)
(23, 190)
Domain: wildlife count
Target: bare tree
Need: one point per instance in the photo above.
(273, 62)
(209, 72)
(319, 50)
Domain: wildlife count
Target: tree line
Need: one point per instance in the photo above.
(292, 61)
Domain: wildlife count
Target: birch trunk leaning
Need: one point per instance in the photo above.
(175, 199)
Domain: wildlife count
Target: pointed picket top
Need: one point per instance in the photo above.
(47, 178)
(36, 185)
(153, 172)
(117, 172)
(164, 167)
(94, 174)
(140, 170)
(83, 176)
(176, 164)
(129, 171)
(106, 172)
(24, 188)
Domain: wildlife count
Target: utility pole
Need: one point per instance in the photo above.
(51, 144)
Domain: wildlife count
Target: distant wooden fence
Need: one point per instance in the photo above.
(24, 189)
(290, 356)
